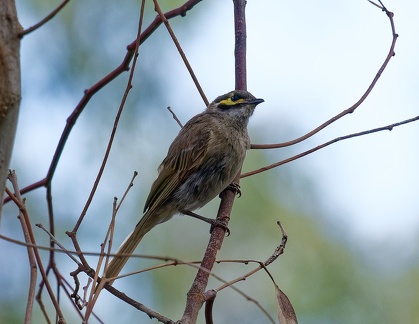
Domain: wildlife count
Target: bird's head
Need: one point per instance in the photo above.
(236, 104)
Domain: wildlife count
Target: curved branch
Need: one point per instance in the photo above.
(88, 94)
(338, 139)
(351, 109)
(45, 20)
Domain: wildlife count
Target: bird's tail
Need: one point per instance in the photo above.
(147, 222)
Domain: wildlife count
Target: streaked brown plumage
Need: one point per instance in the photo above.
(201, 162)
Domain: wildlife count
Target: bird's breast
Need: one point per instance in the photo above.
(223, 161)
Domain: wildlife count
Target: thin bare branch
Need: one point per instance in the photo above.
(131, 184)
(373, 3)
(62, 248)
(109, 237)
(89, 93)
(181, 52)
(240, 44)
(45, 20)
(175, 117)
(150, 312)
(116, 122)
(195, 264)
(262, 265)
(110, 233)
(338, 139)
(174, 262)
(31, 257)
(351, 109)
(31, 239)
(280, 249)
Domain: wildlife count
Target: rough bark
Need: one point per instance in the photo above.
(9, 84)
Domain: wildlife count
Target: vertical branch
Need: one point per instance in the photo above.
(196, 295)
(240, 44)
(32, 263)
(32, 241)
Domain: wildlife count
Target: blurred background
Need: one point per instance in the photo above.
(350, 210)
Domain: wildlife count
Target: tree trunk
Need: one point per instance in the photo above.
(9, 85)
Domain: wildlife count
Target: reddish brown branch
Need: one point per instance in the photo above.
(115, 126)
(85, 267)
(150, 312)
(88, 94)
(32, 263)
(31, 239)
(338, 139)
(180, 11)
(209, 305)
(240, 44)
(33, 186)
(120, 295)
(181, 52)
(211, 294)
(195, 296)
(351, 109)
(45, 20)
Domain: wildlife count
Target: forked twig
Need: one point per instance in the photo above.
(31, 238)
(96, 288)
(262, 265)
(210, 295)
(62, 248)
(32, 262)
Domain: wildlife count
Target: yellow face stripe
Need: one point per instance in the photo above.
(229, 102)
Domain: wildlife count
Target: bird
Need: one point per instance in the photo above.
(201, 162)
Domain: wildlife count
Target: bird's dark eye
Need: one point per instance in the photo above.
(235, 97)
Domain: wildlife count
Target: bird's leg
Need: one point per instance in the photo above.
(234, 187)
(213, 222)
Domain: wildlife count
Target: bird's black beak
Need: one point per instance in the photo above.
(255, 101)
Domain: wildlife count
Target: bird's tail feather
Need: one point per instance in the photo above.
(128, 246)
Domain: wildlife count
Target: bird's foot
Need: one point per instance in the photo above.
(235, 188)
(218, 223)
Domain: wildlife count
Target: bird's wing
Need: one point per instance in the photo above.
(187, 152)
